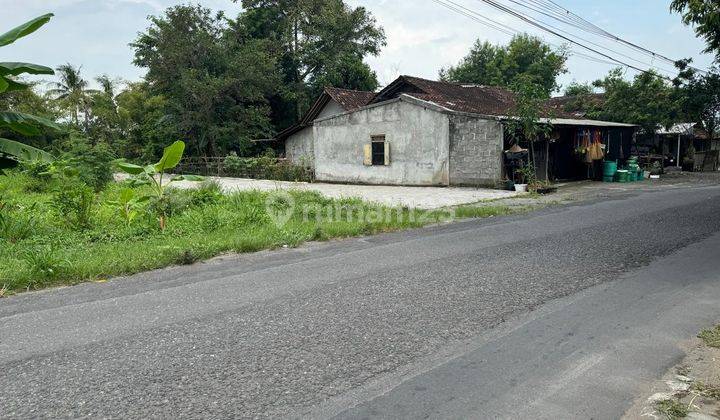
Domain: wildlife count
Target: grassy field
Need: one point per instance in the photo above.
(51, 236)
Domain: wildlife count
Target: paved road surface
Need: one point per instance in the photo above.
(563, 313)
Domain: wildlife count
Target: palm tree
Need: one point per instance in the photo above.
(107, 85)
(72, 89)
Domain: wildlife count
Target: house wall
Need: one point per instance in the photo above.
(330, 109)
(418, 139)
(475, 151)
(299, 147)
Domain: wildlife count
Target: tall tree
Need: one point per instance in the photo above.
(73, 91)
(315, 41)
(648, 100)
(699, 96)
(214, 80)
(104, 123)
(524, 57)
(705, 16)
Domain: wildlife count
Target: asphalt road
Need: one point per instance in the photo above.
(563, 313)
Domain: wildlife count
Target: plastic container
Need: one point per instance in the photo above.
(609, 168)
(622, 175)
(610, 178)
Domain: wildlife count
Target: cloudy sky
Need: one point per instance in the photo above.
(422, 36)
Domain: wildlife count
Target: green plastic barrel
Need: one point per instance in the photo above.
(609, 168)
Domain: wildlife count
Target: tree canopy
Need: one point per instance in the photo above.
(525, 56)
(215, 80)
(315, 43)
(648, 100)
(705, 16)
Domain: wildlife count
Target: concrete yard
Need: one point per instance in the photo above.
(413, 197)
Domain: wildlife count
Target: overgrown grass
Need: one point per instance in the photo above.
(711, 336)
(44, 242)
(672, 409)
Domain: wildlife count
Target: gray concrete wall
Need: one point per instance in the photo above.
(418, 139)
(330, 109)
(475, 151)
(299, 147)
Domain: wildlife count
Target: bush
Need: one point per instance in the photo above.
(91, 163)
(15, 226)
(209, 192)
(75, 203)
(265, 167)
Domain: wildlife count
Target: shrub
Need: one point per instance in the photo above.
(15, 226)
(38, 175)
(75, 203)
(209, 192)
(265, 167)
(92, 164)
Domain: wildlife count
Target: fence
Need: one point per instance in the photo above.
(254, 168)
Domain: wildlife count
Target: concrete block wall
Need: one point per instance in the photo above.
(475, 151)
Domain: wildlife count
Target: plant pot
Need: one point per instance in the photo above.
(521, 187)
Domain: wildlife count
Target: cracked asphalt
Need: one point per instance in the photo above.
(327, 329)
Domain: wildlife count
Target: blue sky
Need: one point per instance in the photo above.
(422, 36)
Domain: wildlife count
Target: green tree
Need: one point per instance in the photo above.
(525, 56)
(699, 96)
(314, 41)
(19, 122)
(214, 81)
(72, 91)
(579, 89)
(142, 121)
(705, 16)
(527, 124)
(648, 101)
(104, 119)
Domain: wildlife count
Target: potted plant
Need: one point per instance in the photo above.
(526, 175)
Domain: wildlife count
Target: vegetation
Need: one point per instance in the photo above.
(525, 57)
(527, 125)
(66, 233)
(672, 409)
(18, 122)
(700, 97)
(711, 336)
(705, 16)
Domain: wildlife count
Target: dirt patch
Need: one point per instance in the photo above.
(689, 390)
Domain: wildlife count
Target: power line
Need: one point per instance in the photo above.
(650, 65)
(532, 22)
(555, 11)
(460, 9)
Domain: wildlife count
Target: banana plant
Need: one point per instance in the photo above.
(155, 175)
(21, 123)
(129, 204)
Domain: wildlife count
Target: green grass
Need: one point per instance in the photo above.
(40, 246)
(672, 409)
(711, 336)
